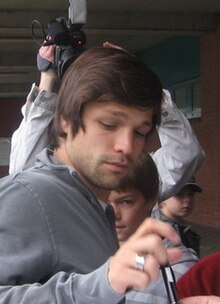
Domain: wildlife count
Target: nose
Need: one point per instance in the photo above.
(117, 211)
(124, 143)
(186, 199)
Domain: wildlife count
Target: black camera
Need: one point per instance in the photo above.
(70, 42)
(67, 35)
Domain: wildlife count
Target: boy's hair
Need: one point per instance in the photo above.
(106, 74)
(144, 178)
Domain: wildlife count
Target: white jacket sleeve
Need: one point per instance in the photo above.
(32, 135)
(180, 154)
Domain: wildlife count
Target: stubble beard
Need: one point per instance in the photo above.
(105, 181)
(97, 177)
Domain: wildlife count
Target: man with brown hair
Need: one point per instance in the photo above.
(55, 239)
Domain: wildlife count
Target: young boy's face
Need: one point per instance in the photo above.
(180, 205)
(130, 209)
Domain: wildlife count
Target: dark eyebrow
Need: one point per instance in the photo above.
(116, 113)
(123, 115)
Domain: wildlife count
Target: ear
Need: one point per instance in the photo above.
(64, 124)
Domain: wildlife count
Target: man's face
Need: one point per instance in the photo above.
(107, 149)
(130, 209)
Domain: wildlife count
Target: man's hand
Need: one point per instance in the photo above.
(146, 241)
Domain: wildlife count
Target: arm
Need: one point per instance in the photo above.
(180, 154)
(32, 135)
(28, 257)
(64, 288)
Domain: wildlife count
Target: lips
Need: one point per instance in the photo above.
(185, 209)
(118, 227)
(117, 166)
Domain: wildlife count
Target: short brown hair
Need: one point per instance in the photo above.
(144, 178)
(106, 74)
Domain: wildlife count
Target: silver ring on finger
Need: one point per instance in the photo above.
(139, 262)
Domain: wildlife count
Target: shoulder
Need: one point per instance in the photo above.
(21, 211)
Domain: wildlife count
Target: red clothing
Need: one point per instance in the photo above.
(202, 279)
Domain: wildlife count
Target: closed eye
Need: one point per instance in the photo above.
(141, 134)
(107, 126)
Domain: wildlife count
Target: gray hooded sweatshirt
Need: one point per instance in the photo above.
(55, 238)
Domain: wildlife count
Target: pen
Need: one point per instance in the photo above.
(170, 284)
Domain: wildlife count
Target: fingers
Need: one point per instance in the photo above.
(124, 275)
(153, 244)
(126, 271)
(201, 300)
(174, 254)
(149, 244)
(159, 228)
(151, 268)
(47, 52)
